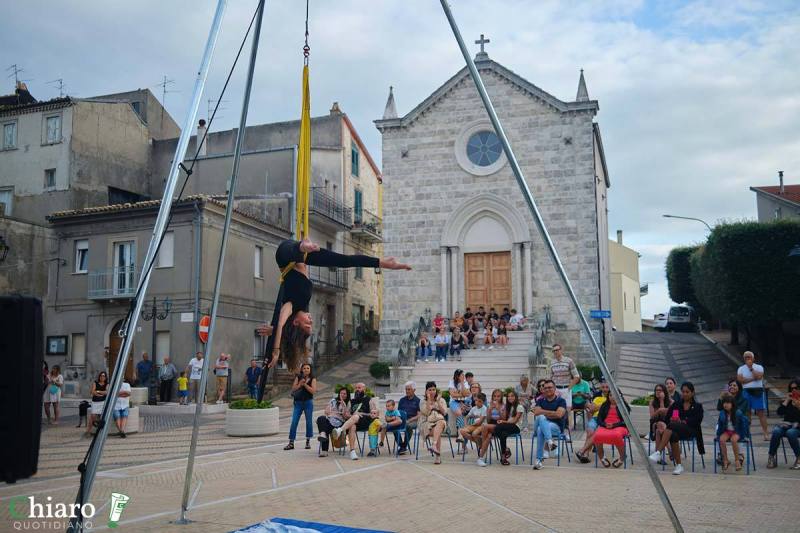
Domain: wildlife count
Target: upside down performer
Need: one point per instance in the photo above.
(292, 324)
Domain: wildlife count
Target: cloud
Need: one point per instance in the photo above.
(698, 101)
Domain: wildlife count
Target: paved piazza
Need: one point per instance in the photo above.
(245, 481)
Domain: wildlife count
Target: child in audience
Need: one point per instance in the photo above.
(373, 431)
(502, 334)
(516, 321)
(488, 335)
(476, 418)
(183, 389)
(442, 343)
(424, 347)
(393, 420)
(732, 426)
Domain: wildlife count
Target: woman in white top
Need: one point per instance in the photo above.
(52, 393)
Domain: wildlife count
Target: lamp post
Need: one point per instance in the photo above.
(154, 315)
(690, 218)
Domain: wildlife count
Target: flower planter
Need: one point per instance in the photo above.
(138, 396)
(133, 421)
(251, 422)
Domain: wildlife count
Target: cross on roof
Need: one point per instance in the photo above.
(482, 41)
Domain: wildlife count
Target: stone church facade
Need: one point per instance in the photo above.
(453, 209)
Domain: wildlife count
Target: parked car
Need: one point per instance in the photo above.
(660, 322)
(682, 318)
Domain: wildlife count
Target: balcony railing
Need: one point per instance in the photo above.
(367, 225)
(325, 277)
(330, 208)
(117, 282)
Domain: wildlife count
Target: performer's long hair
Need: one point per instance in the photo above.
(294, 345)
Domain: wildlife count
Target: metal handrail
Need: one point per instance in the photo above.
(117, 282)
(405, 353)
(540, 328)
(368, 221)
(328, 277)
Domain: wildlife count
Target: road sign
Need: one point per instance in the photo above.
(600, 313)
(202, 328)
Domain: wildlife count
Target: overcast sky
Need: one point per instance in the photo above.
(698, 100)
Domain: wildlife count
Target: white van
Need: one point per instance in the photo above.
(681, 318)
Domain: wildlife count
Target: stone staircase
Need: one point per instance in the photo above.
(494, 369)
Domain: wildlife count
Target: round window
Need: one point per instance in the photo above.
(484, 148)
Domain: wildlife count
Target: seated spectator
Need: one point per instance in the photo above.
(480, 317)
(441, 343)
(509, 425)
(495, 412)
(336, 412)
(470, 331)
(502, 334)
(459, 391)
(593, 424)
(488, 335)
(525, 393)
(457, 322)
(732, 426)
(470, 377)
(438, 321)
(493, 315)
(789, 428)
(550, 413)
(474, 390)
(432, 424)
(424, 347)
(581, 395)
(362, 407)
(735, 390)
(516, 321)
(610, 430)
(539, 391)
(506, 316)
(410, 405)
(672, 389)
(393, 422)
(685, 418)
(458, 342)
(659, 407)
(476, 417)
(468, 314)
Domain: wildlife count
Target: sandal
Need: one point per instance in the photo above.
(726, 465)
(605, 462)
(308, 444)
(738, 465)
(289, 446)
(581, 457)
(437, 460)
(617, 463)
(504, 461)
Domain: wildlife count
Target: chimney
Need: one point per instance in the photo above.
(201, 132)
(619, 236)
(335, 110)
(780, 180)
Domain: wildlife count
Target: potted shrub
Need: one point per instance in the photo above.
(380, 371)
(251, 418)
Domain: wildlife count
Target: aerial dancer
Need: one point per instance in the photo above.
(292, 324)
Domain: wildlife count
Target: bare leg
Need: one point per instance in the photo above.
(47, 411)
(351, 436)
(600, 452)
(89, 423)
(762, 417)
(438, 429)
(735, 446)
(588, 444)
(723, 450)
(56, 412)
(665, 436)
(676, 452)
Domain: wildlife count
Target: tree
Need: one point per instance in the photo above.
(678, 270)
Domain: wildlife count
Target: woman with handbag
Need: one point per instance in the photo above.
(303, 389)
(336, 412)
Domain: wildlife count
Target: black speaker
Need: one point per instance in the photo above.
(21, 385)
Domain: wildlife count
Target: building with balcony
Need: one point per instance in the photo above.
(104, 249)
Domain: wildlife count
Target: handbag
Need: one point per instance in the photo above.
(53, 388)
(754, 391)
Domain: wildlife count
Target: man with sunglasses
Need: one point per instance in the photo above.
(550, 413)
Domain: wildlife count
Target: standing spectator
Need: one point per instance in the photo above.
(564, 374)
(611, 430)
(98, 392)
(468, 314)
(732, 426)
(221, 372)
(433, 410)
(52, 393)
(506, 316)
(457, 343)
(516, 321)
(685, 418)
(438, 321)
(303, 389)
(672, 390)
(789, 428)
(336, 412)
(183, 389)
(502, 334)
(166, 376)
(195, 370)
(410, 404)
(480, 316)
(526, 394)
(550, 413)
(143, 370)
(510, 425)
(470, 331)
(424, 347)
(122, 407)
(457, 322)
(440, 341)
(751, 376)
(252, 375)
(495, 412)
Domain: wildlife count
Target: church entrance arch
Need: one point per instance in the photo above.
(114, 344)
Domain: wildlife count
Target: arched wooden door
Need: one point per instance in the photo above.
(114, 344)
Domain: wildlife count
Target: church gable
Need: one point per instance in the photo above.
(486, 67)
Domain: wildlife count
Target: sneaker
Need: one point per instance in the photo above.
(353, 455)
(537, 465)
(796, 465)
(323, 453)
(403, 451)
(545, 454)
(481, 462)
(219, 402)
(678, 470)
(491, 347)
(772, 461)
(122, 434)
(655, 457)
(322, 437)
(371, 453)
(550, 445)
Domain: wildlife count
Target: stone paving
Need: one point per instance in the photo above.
(239, 482)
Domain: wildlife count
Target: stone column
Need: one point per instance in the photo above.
(443, 254)
(528, 274)
(454, 279)
(516, 264)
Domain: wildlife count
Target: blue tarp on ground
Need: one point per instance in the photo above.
(289, 525)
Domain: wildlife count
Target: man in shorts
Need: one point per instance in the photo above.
(751, 376)
(122, 407)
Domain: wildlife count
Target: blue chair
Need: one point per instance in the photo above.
(749, 453)
(428, 443)
(629, 455)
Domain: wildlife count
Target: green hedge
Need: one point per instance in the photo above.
(379, 370)
(250, 403)
(644, 400)
(679, 280)
(589, 371)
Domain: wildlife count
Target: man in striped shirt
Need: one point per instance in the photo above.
(564, 374)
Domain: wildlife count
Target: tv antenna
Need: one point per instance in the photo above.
(164, 84)
(58, 82)
(219, 104)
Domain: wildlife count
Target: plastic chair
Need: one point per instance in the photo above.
(749, 453)
(628, 455)
(580, 412)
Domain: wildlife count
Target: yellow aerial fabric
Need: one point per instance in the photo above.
(304, 162)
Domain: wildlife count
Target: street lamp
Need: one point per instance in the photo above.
(155, 316)
(689, 218)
